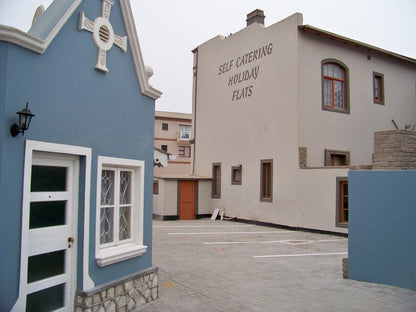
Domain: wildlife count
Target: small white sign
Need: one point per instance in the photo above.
(215, 214)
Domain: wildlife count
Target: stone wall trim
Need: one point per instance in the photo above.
(125, 294)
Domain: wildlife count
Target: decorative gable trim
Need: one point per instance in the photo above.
(23, 39)
(32, 43)
(145, 87)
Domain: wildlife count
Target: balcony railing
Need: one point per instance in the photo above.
(184, 136)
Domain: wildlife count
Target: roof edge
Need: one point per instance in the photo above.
(327, 34)
(35, 44)
(145, 87)
(32, 43)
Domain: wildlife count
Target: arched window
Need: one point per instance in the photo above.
(334, 86)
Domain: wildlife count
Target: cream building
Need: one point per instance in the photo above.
(281, 113)
(173, 135)
(175, 190)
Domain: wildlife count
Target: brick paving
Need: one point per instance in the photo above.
(209, 265)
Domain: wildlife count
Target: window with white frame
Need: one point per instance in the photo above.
(119, 210)
(185, 132)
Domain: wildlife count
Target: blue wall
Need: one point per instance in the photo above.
(76, 105)
(382, 227)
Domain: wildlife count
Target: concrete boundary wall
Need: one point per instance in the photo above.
(382, 231)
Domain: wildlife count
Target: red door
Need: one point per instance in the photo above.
(186, 200)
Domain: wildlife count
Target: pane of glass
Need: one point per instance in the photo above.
(266, 179)
(45, 265)
(43, 214)
(345, 212)
(46, 300)
(106, 225)
(217, 179)
(107, 187)
(325, 70)
(236, 175)
(125, 187)
(327, 92)
(331, 70)
(124, 226)
(48, 179)
(339, 94)
(345, 188)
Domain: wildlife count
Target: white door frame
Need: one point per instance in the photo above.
(31, 150)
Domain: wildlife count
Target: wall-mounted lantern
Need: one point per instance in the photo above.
(25, 117)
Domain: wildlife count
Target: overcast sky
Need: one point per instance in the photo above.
(169, 30)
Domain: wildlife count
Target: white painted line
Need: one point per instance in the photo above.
(228, 243)
(217, 233)
(319, 241)
(275, 241)
(304, 255)
(201, 226)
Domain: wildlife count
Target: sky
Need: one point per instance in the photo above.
(169, 30)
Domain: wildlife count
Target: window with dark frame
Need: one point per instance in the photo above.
(164, 148)
(338, 160)
(266, 180)
(335, 87)
(342, 202)
(236, 175)
(155, 187)
(165, 126)
(378, 88)
(216, 180)
(184, 151)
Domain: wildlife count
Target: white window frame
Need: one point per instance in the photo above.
(117, 251)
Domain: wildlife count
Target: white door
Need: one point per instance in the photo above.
(51, 233)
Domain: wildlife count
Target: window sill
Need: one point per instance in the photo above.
(112, 255)
(336, 110)
(342, 225)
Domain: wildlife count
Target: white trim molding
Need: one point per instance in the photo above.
(24, 40)
(133, 247)
(145, 87)
(58, 149)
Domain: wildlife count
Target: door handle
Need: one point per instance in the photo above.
(71, 240)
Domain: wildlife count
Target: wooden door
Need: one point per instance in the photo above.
(186, 200)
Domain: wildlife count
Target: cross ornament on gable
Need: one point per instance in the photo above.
(102, 34)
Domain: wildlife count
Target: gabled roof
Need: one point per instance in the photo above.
(326, 34)
(173, 115)
(54, 18)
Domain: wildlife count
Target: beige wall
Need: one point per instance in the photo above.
(354, 132)
(281, 111)
(165, 203)
(261, 126)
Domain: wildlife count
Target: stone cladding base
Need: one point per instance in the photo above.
(125, 294)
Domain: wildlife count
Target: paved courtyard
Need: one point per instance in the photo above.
(209, 265)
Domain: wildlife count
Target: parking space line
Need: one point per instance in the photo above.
(202, 226)
(217, 233)
(275, 241)
(303, 255)
(254, 242)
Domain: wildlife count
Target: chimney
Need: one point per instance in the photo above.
(257, 16)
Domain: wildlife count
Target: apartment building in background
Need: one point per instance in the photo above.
(173, 135)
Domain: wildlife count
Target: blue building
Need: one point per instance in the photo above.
(76, 187)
